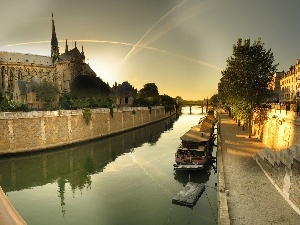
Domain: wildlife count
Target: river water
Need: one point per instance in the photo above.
(124, 179)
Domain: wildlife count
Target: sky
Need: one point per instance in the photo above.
(180, 45)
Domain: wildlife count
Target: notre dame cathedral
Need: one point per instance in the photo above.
(20, 72)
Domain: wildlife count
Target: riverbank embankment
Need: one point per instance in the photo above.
(249, 195)
(38, 130)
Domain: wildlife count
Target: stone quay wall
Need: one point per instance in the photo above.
(280, 131)
(30, 131)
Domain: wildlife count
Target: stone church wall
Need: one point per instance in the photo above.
(30, 131)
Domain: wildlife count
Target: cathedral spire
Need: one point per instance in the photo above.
(54, 43)
(67, 48)
(82, 53)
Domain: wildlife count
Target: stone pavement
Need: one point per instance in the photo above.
(251, 197)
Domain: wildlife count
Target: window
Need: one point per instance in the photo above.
(20, 76)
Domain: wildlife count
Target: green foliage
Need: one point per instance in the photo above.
(149, 90)
(133, 112)
(148, 96)
(99, 102)
(46, 92)
(214, 100)
(4, 105)
(80, 103)
(168, 102)
(12, 106)
(87, 114)
(245, 81)
(66, 102)
(179, 100)
(249, 72)
(141, 102)
(87, 92)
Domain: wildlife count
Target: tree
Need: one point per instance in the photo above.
(149, 94)
(168, 102)
(149, 90)
(179, 100)
(89, 86)
(245, 81)
(46, 92)
(214, 100)
(88, 91)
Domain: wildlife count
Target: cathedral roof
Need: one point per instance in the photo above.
(73, 54)
(13, 57)
(87, 70)
(124, 87)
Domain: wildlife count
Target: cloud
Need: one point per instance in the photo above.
(178, 56)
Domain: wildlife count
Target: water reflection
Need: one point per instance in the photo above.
(124, 179)
(74, 165)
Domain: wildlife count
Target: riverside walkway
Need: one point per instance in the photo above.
(251, 197)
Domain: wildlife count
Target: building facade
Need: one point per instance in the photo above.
(20, 72)
(123, 94)
(275, 86)
(290, 85)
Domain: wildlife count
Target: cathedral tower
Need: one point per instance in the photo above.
(54, 43)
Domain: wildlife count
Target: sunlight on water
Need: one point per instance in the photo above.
(125, 179)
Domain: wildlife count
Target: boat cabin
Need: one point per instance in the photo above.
(194, 150)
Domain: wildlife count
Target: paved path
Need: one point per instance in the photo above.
(252, 199)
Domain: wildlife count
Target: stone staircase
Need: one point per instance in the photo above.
(283, 170)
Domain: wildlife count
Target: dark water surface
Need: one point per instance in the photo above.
(125, 179)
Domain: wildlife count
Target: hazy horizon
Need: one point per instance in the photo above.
(181, 46)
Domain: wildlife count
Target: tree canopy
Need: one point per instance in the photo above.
(245, 81)
(214, 100)
(89, 86)
(47, 92)
(149, 90)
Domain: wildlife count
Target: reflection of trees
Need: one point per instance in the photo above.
(74, 164)
(155, 136)
(78, 180)
(61, 193)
